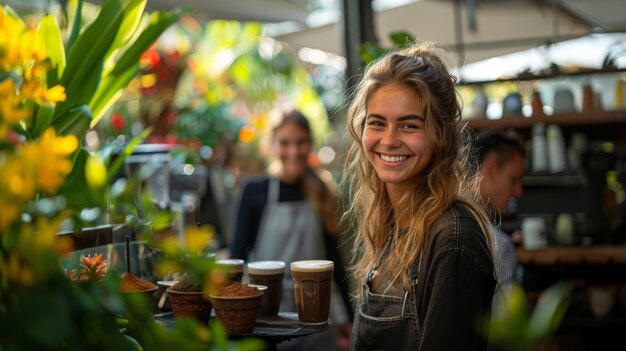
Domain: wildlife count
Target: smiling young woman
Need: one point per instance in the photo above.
(395, 139)
(422, 244)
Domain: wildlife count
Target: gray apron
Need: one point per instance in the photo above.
(291, 231)
(385, 322)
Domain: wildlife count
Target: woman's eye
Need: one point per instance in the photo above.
(375, 123)
(409, 126)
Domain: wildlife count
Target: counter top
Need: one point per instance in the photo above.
(574, 255)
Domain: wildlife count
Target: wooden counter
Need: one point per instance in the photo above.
(575, 255)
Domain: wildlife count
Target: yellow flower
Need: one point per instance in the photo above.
(7, 87)
(9, 212)
(51, 156)
(164, 268)
(197, 239)
(18, 178)
(10, 109)
(95, 172)
(17, 186)
(9, 41)
(17, 271)
(46, 230)
(29, 48)
(32, 90)
(55, 94)
(171, 246)
(203, 333)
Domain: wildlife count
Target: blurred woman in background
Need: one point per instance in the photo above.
(292, 215)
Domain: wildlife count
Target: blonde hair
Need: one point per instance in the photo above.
(323, 195)
(445, 180)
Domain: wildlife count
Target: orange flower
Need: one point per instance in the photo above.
(93, 268)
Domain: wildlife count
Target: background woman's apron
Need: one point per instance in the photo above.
(291, 231)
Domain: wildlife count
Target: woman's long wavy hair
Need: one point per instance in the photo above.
(370, 215)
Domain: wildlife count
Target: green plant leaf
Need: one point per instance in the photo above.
(75, 26)
(219, 334)
(75, 121)
(158, 22)
(49, 31)
(76, 190)
(549, 311)
(128, 150)
(109, 91)
(250, 344)
(128, 29)
(42, 118)
(133, 344)
(86, 56)
(401, 38)
(127, 65)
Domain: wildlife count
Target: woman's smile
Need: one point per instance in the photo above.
(393, 159)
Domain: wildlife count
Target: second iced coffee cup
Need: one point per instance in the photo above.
(312, 286)
(233, 268)
(270, 274)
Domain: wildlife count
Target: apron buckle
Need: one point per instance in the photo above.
(406, 296)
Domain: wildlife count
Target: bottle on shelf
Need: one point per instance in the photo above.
(537, 104)
(556, 149)
(539, 158)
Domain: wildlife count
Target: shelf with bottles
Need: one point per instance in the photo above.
(562, 119)
(567, 100)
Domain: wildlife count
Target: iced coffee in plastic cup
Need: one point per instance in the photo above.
(233, 268)
(312, 286)
(270, 274)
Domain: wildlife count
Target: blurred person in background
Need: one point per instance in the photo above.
(292, 215)
(500, 158)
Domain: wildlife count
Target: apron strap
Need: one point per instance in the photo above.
(273, 190)
(370, 274)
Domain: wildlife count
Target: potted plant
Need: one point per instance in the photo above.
(188, 300)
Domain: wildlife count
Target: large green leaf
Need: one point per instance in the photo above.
(76, 190)
(549, 311)
(109, 91)
(128, 29)
(42, 118)
(51, 34)
(158, 22)
(81, 94)
(128, 150)
(75, 25)
(87, 54)
(75, 121)
(126, 67)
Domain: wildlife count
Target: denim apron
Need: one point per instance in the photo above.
(385, 322)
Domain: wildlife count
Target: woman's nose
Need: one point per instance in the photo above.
(390, 137)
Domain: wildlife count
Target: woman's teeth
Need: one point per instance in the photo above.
(393, 158)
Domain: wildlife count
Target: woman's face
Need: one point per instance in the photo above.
(292, 145)
(394, 137)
